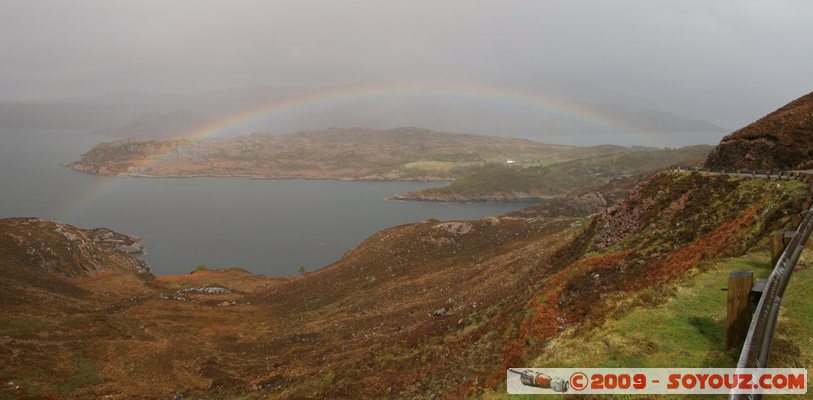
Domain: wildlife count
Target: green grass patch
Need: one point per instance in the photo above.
(439, 166)
(685, 330)
(677, 325)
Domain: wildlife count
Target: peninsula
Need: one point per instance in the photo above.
(403, 154)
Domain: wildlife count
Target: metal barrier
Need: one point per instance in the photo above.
(747, 173)
(757, 347)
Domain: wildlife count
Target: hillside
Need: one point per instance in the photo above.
(432, 309)
(402, 300)
(781, 140)
(42, 246)
(583, 201)
(357, 153)
(501, 182)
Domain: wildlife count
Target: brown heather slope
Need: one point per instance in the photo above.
(414, 310)
(781, 140)
(354, 153)
(430, 309)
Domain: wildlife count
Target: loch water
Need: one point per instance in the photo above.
(268, 227)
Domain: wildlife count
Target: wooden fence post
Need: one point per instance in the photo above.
(777, 246)
(788, 236)
(738, 317)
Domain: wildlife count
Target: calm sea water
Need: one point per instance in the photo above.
(265, 226)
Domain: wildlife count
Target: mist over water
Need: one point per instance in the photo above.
(266, 226)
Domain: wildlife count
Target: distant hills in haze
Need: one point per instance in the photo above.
(592, 114)
(157, 125)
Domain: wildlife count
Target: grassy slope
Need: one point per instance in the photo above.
(682, 323)
(690, 322)
(691, 326)
(560, 178)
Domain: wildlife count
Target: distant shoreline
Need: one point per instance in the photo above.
(464, 199)
(72, 167)
(397, 197)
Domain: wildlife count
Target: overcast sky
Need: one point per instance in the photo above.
(724, 60)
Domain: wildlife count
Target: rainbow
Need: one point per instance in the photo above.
(340, 94)
(359, 92)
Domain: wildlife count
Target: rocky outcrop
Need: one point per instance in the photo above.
(454, 228)
(206, 290)
(39, 245)
(115, 241)
(584, 201)
(781, 140)
(570, 205)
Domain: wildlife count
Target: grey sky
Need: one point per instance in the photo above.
(728, 61)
